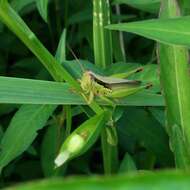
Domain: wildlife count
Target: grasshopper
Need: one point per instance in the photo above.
(108, 87)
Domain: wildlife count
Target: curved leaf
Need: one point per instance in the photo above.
(42, 6)
(23, 130)
(168, 30)
(168, 180)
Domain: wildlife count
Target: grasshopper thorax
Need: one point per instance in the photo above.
(86, 81)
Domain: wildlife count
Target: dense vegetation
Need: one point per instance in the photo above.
(58, 120)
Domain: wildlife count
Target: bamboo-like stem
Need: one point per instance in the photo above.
(174, 74)
(103, 58)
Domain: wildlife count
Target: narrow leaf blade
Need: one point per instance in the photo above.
(23, 130)
(167, 30)
(28, 91)
(145, 180)
(42, 6)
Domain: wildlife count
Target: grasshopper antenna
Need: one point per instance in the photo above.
(76, 58)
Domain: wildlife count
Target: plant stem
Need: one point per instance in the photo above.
(15, 23)
(121, 40)
(102, 37)
(174, 75)
(103, 58)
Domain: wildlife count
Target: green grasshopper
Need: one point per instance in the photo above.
(108, 87)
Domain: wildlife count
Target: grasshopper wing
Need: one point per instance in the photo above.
(110, 81)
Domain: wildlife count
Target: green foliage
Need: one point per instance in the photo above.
(176, 30)
(146, 180)
(23, 130)
(127, 164)
(42, 6)
(177, 97)
(79, 141)
(151, 6)
(49, 129)
(29, 91)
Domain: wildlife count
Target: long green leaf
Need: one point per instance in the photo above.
(167, 180)
(102, 38)
(28, 91)
(42, 6)
(165, 30)
(23, 130)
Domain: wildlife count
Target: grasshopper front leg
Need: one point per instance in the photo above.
(88, 98)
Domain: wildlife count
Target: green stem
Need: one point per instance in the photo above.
(174, 75)
(15, 23)
(68, 120)
(103, 58)
(110, 158)
(121, 40)
(102, 37)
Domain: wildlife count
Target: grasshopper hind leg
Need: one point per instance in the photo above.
(109, 101)
(102, 93)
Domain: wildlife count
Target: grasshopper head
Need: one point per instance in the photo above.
(86, 81)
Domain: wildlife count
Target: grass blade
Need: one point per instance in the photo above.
(23, 130)
(61, 49)
(102, 40)
(146, 180)
(35, 92)
(102, 37)
(42, 6)
(28, 91)
(165, 30)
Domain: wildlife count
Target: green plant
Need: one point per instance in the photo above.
(49, 129)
